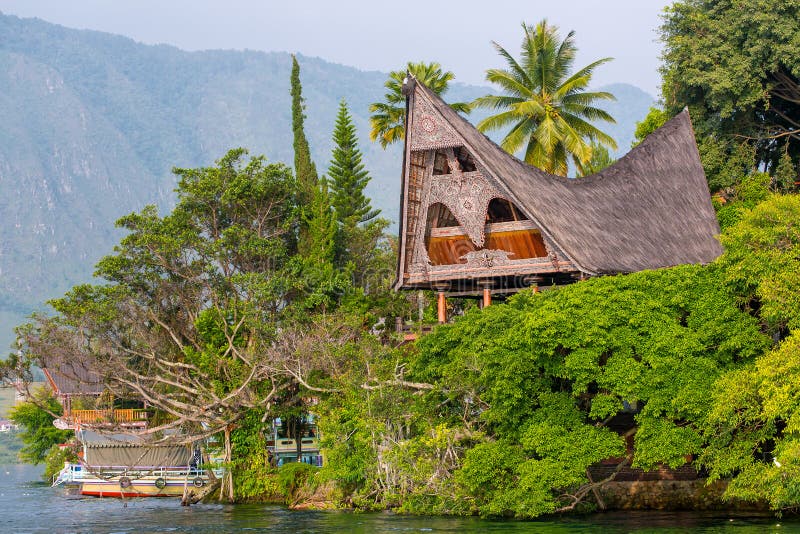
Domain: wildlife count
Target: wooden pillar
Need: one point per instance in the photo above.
(533, 282)
(442, 307)
(487, 296)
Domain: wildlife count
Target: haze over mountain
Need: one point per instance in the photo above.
(92, 124)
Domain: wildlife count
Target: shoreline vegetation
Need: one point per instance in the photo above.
(266, 295)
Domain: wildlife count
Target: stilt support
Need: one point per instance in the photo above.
(442, 307)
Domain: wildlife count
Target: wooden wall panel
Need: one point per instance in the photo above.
(522, 244)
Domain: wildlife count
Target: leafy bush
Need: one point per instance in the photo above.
(54, 461)
(292, 477)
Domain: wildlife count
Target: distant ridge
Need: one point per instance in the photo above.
(93, 123)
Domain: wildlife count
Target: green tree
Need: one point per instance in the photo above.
(753, 426)
(359, 232)
(601, 158)
(736, 65)
(321, 284)
(753, 429)
(513, 401)
(304, 168)
(548, 109)
(188, 307)
(348, 177)
(36, 417)
(388, 117)
(655, 119)
(786, 176)
(760, 261)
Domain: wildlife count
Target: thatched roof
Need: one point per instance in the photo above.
(71, 376)
(650, 209)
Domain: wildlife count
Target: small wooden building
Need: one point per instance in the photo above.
(476, 221)
(71, 378)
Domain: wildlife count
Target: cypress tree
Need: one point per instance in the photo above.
(785, 174)
(348, 177)
(318, 218)
(304, 168)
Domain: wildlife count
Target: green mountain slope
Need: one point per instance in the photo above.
(92, 123)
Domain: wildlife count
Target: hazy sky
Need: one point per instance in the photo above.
(373, 35)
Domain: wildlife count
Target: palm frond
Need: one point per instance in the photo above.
(516, 138)
(530, 108)
(515, 67)
(462, 107)
(590, 131)
(587, 99)
(501, 120)
(508, 82)
(591, 113)
(495, 102)
(547, 134)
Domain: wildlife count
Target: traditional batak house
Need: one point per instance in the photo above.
(476, 221)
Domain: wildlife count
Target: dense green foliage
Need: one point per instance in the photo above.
(38, 434)
(253, 475)
(754, 423)
(545, 369)
(736, 65)
(654, 119)
(55, 459)
(547, 107)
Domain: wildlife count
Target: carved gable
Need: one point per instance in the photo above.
(429, 131)
(449, 234)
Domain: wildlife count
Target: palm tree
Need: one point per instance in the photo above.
(601, 158)
(388, 117)
(547, 108)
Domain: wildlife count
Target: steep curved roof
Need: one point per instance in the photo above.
(648, 210)
(71, 376)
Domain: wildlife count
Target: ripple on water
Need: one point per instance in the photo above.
(32, 506)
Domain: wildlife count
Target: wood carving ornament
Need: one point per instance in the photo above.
(466, 194)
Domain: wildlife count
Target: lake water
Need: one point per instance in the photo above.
(28, 505)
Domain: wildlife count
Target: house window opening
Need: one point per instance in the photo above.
(440, 165)
(439, 216)
(501, 210)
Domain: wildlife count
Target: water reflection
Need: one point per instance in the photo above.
(35, 507)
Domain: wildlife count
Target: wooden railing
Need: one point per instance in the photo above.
(130, 415)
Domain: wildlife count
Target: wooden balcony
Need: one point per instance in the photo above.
(128, 417)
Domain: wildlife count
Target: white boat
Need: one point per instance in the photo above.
(123, 481)
(123, 465)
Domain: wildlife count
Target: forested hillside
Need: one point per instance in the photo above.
(93, 123)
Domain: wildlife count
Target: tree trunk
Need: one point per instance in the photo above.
(226, 486)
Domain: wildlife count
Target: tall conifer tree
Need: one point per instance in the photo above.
(785, 174)
(348, 177)
(304, 168)
(321, 225)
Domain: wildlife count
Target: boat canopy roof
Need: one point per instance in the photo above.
(128, 450)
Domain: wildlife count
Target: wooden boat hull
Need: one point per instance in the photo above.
(139, 488)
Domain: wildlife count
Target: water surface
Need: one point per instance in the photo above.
(28, 505)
